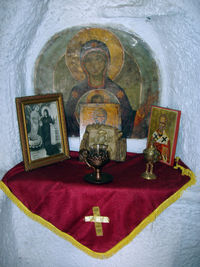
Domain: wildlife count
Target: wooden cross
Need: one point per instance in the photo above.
(98, 220)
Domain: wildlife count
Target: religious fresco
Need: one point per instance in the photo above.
(100, 65)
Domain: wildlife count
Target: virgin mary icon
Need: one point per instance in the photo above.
(95, 60)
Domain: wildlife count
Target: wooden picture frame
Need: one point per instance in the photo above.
(163, 129)
(96, 113)
(42, 129)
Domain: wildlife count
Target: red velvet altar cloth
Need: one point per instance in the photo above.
(58, 194)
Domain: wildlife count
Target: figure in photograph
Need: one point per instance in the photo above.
(161, 139)
(46, 122)
(33, 128)
(95, 62)
(100, 116)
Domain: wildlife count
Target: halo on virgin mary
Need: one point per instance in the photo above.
(73, 51)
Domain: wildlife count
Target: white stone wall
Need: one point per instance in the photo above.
(171, 29)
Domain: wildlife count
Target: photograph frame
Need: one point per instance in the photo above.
(41, 152)
(163, 131)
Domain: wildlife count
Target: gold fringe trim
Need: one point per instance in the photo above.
(124, 241)
(184, 171)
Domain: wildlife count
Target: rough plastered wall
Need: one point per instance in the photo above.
(171, 29)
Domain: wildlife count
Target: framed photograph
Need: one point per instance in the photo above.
(107, 114)
(42, 129)
(163, 130)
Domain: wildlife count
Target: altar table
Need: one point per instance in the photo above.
(98, 219)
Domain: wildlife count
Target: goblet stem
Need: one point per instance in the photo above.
(98, 177)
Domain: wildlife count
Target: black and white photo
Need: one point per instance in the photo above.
(42, 129)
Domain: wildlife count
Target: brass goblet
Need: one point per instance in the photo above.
(151, 155)
(96, 157)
